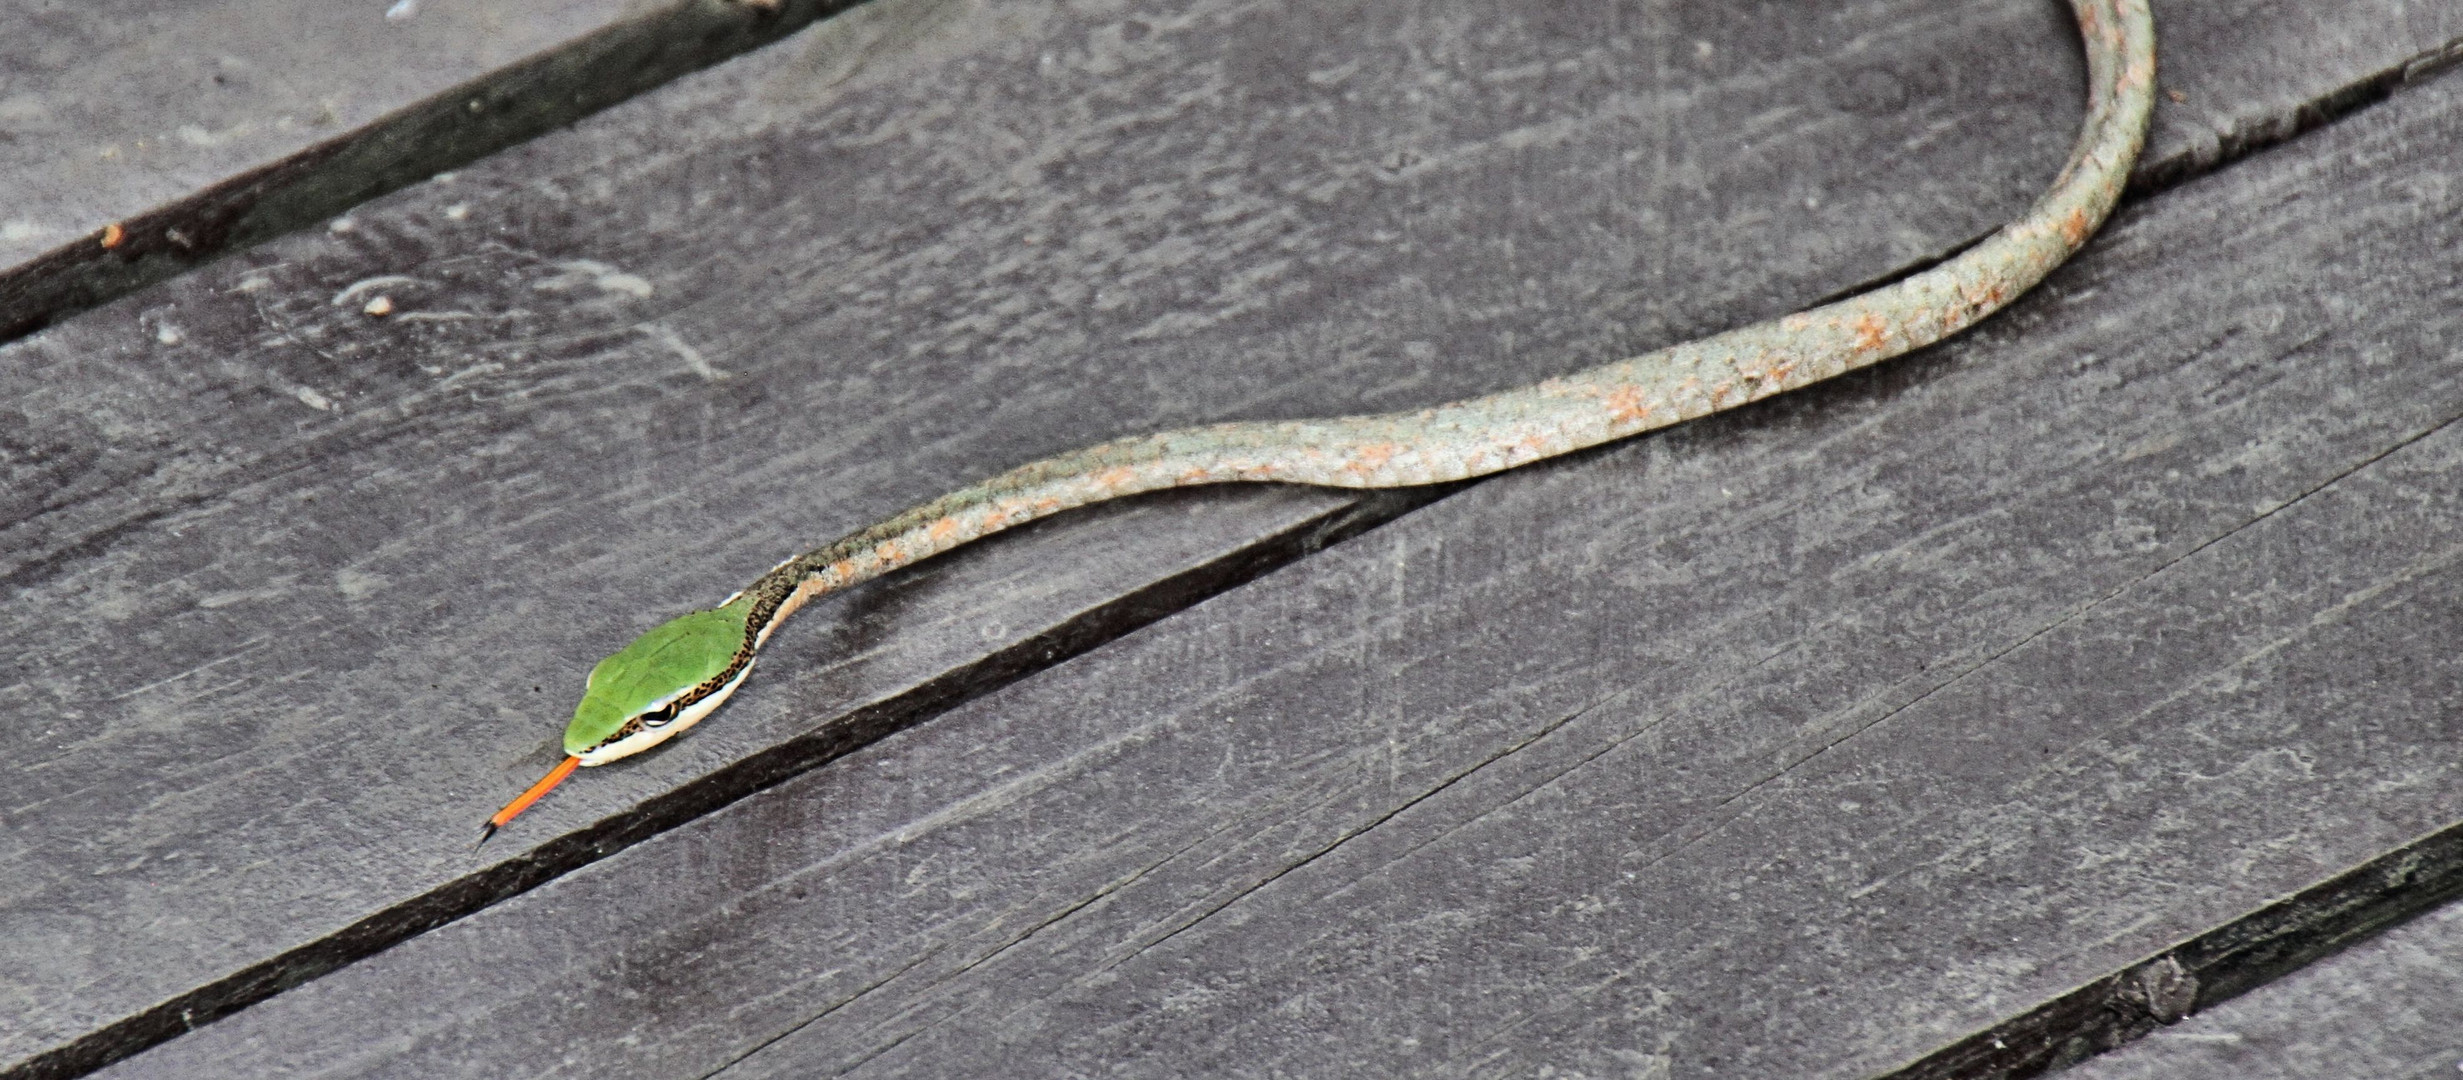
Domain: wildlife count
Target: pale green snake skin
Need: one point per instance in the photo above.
(1496, 432)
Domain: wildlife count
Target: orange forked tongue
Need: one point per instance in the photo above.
(522, 801)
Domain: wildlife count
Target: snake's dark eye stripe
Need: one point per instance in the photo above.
(631, 728)
(664, 715)
(1498, 431)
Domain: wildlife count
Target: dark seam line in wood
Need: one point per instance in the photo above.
(1111, 620)
(2209, 969)
(618, 46)
(850, 999)
(2266, 132)
(2222, 963)
(1057, 917)
(749, 776)
(1091, 899)
(1706, 828)
(2065, 619)
(1604, 749)
(1114, 886)
(2072, 616)
(1348, 835)
(503, 108)
(2156, 177)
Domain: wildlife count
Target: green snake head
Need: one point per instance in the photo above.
(661, 684)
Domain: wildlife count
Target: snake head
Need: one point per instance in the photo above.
(662, 683)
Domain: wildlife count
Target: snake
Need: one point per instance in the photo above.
(679, 672)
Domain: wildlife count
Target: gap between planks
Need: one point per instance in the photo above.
(502, 109)
(2109, 1012)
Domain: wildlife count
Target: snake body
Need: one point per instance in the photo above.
(1464, 439)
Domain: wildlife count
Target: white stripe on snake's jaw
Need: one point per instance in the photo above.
(648, 736)
(1502, 430)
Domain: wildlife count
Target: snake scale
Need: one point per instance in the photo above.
(680, 671)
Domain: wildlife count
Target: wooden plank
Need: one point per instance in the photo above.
(2226, 100)
(2227, 960)
(2389, 1007)
(301, 582)
(301, 578)
(1799, 741)
(207, 126)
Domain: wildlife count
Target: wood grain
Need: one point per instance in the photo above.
(2389, 1007)
(301, 584)
(305, 590)
(205, 126)
(2225, 101)
(1798, 741)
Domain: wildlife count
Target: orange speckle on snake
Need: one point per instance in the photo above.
(2076, 227)
(1629, 404)
(1482, 435)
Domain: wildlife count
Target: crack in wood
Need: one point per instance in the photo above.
(2213, 967)
(507, 107)
(2209, 969)
(853, 731)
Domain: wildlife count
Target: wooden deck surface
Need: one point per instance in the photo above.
(203, 127)
(2389, 1007)
(1954, 719)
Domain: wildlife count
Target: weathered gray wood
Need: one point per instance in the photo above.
(203, 126)
(283, 571)
(2228, 959)
(1799, 741)
(209, 125)
(302, 593)
(2390, 1007)
(2226, 100)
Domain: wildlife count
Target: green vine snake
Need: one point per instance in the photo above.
(671, 677)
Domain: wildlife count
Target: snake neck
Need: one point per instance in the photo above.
(1501, 431)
